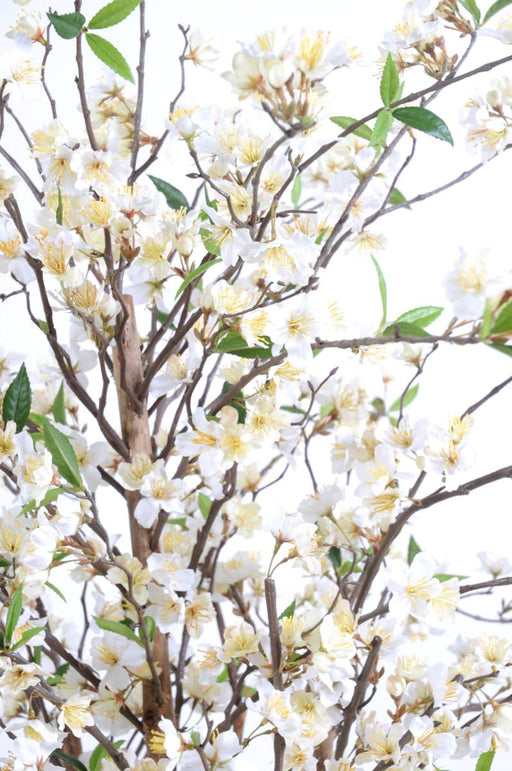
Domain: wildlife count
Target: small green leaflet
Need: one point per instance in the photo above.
(410, 394)
(196, 273)
(424, 120)
(506, 349)
(296, 190)
(334, 556)
(224, 675)
(486, 321)
(397, 197)
(68, 760)
(484, 762)
(390, 82)
(238, 402)
(422, 316)
(59, 409)
(234, 343)
(504, 321)
(209, 242)
(99, 753)
(412, 550)
(112, 13)
(150, 626)
(472, 7)
(289, 611)
(442, 577)
(495, 7)
(204, 504)
(174, 197)
(344, 122)
(383, 291)
(50, 497)
(27, 635)
(109, 55)
(380, 130)
(69, 25)
(13, 613)
(118, 628)
(63, 454)
(405, 329)
(17, 400)
(56, 590)
(58, 675)
(58, 212)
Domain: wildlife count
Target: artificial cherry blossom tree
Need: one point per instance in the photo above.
(170, 597)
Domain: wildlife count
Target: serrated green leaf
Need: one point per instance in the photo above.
(68, 760)
(344, 122)
(410, 394)
(495, 8)
(99, 753)
(67, 25)
(117, 627)
(56, 590)
(174, 197)
(204, 504)
(484, 762)
(381, 128)
(13, 613)
(397, 197)
(27, 635)
(424, 120)
(405, 329)
(422, 316)
(504, 321)
(390, 82)
(63, 454)
(382, 290)
(288, 611)
(235, 344)
(17, 400)
(59, 212)
(109, 55)
(472, 7)
(296, 190)
(412, 550)
(196, 273)
(112, 13)
(59, 408)
(334, 556)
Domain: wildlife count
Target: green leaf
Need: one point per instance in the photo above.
(289, 611)
(410, 394)
(235, 344)
(344, 122)
(174, 197)
(208, 241)
(204, 504)
(484, 762)
(27, 635)
(390, 83)
(424, 120)
(296, 190)
(397, 197)
(506, 349)
(381, 128)
(486, 321)
(150, 625)
(504, 321)
(4, 563)
(50, 497)
(405, 329)
(63, 454)
(412, 550)
(58, 675)
(495, 8)
(224, 675)
(56, 590)
(196, 273)
(59, 409)
(383, 291)
(58, 212)
(17, 400)
(472, 7)
(68, 760)
(69, 25)
(422, 316)
(112, 13)
(117, 627)
(13, 613)
(99, 753)
(238, 403)
(334, 555)
(442, 577)
(109, 55)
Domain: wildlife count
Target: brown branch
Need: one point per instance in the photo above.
(144, 34)
(469, 410)
(505, 581)
(47, 51)
(80, 82)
